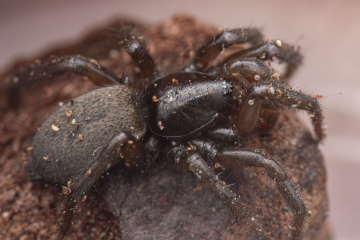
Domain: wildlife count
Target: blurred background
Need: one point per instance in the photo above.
(328, 32)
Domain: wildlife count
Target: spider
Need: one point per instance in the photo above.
(196, 117)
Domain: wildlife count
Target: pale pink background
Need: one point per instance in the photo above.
(328, 31)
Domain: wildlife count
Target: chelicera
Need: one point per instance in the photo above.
(196, 117)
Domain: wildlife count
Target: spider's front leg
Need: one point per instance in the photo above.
(275, 95)
(250, 158)
(192, 160)
(267, 93)
(242, 158)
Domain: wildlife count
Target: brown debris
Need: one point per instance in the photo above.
(161, 126)
(55, 128)
(175, 81)
(154, 98)
(66, 190)
(68, 113)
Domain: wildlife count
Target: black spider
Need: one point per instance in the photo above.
(197, 117)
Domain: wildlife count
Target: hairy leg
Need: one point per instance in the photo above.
(277, 172)
(221, 41)
(134, 46)
(122, 147)
(192, 160)
(58, 66)
(268, 92)
(242, 158)
(267, 51)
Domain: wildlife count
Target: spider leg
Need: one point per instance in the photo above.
(252, 108)
(58, 66)
(224, 133)
(221, 41)
(280, 94)
(242, 158)
(122, 147)
(277, 172)
(252, 69)
(268, 50)
(191, 160)
(269, 92)
(135, 48)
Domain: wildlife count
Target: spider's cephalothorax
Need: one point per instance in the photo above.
(196, 117)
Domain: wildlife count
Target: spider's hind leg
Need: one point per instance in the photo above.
(48, 70)
(59, 66)
(122, 147)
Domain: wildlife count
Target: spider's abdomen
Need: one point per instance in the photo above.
(70, 140)
(184, 104)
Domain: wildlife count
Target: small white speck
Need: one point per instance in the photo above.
(15, 79)
(55, 128)
(251, 102)
(278, 43)
(5, 214)
(171, 99)
(270, 90)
